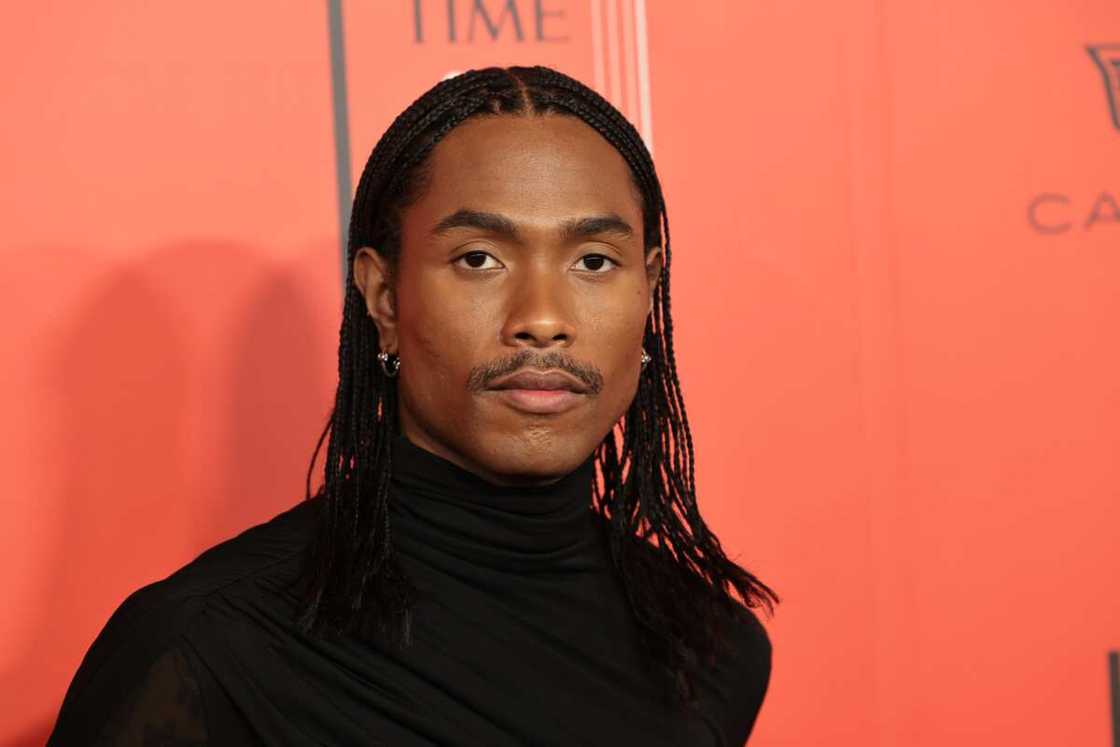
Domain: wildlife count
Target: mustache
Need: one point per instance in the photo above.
(481, 376)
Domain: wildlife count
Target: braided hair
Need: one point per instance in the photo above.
(677, 579)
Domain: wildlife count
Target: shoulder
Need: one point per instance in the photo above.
(741, 677)
(145, 636)
(733, 688)
(161, 610)
(258, 550)
(749, 637)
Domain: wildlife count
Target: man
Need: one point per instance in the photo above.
(506, 548)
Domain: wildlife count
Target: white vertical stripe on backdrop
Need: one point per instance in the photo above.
(645, 117)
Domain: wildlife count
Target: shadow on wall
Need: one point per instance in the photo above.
(182, 398)
(282, 377)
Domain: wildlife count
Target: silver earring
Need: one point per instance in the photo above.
(645, 358)
(385, 366)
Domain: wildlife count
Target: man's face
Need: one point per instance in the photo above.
(501, 270)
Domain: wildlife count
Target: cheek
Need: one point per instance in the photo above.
(618, 340)
(436, 343)
(618, 326)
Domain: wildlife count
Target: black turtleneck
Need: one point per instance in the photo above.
(521, 636)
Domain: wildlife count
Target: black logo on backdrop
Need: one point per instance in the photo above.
(1107, 57)
(1052, 213)
(466, 20)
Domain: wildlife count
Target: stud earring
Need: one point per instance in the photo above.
(385, 365)
(645, 358)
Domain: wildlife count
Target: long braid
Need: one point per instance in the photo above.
(677, 584)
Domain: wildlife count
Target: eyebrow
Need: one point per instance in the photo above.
(573, 228)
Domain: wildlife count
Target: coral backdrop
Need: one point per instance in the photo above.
(896, 291)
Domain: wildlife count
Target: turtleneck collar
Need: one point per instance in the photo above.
(440, 507)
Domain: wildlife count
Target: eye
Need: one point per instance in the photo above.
(476, 260)
(595, 262)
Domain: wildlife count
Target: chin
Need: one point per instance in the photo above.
(534, 452)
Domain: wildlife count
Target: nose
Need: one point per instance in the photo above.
(541, 313)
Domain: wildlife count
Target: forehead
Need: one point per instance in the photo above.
(533, 167)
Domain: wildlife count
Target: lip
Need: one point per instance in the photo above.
(539, 401)
(534, 380)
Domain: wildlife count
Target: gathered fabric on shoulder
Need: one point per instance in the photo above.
(521, 635)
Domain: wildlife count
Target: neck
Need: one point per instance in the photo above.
(441, 508)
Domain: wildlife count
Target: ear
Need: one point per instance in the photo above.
(373, 277)
(653, 272)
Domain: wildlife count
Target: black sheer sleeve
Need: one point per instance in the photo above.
(164, 709)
